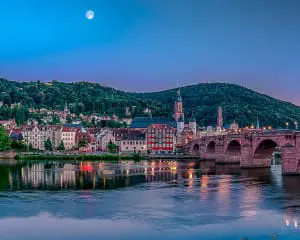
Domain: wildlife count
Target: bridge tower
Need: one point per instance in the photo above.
(193, 124)
(220, 119)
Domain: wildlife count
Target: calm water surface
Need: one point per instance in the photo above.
(146, 200)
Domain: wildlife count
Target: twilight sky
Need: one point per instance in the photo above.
(145, 45)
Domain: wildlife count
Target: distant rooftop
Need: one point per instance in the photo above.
(145, 122)
(73, 125)
(135, 135)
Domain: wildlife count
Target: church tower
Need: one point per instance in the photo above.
(193, 124)
(178, 108)
(180, 125)
(220, 119)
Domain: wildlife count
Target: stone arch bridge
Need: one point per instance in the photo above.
(251, 149)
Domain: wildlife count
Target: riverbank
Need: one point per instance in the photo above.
(80, 157)
(171, 157)
(8, 155)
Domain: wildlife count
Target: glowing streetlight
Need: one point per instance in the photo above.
(287, 124)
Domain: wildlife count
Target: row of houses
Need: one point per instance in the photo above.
(156, 138)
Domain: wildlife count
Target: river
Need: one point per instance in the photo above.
(146, 200)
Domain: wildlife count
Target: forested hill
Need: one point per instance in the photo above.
(238, 103)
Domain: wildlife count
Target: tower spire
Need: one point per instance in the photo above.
(257, 123)
(178, 107)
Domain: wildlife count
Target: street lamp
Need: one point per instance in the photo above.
(287, 125)
(296, 125)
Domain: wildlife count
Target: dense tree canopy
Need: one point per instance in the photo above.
(82, 143)
(4, 140)
(48, 145)
(112, 148)
(18, 145)
(61, 146)
(238, 103)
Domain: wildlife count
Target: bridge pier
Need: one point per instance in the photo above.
(246, 156)
(220, 153)
(290, 159)
(209, 156)
(234, 159)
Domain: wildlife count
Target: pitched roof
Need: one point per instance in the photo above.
(160, 126)
(73, 125)
(145, 122)
(68, 129)
(16, 136)
(135, 135)
(193, 119)
(54, 127)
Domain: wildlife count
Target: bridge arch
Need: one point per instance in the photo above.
(196, 149)
(211, 147)
(234, 148)
(265, 149)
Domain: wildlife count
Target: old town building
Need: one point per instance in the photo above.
(85, 142)
(35, 136)
(69, 137)
(55, 135)
(160, 139)
(133, 142)
(103, 139)
(8, 124)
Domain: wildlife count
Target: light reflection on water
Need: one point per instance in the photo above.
(146, 200)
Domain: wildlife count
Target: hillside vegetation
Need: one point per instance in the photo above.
(238, 103)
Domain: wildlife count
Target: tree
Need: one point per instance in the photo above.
(99, 124)
(69, 119)
(61, 146)
(55, 119)
(48, 145)
(112, 148)
(82, 143)
(87, 124)
(30, 147)
(114, 124)
(4, 140)
(18, 145)
(93, 122)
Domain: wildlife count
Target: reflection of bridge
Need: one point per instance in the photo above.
(250, 149)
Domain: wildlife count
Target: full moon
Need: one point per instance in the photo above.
(90, 15)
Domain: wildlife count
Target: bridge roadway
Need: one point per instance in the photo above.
(250, 149)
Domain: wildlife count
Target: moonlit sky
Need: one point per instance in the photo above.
(145, 45)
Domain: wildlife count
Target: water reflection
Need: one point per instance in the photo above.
(160, 194)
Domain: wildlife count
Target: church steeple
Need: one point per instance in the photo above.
(192, 119)
(179, 98)
(178, 107)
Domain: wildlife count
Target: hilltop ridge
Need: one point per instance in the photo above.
(239, 103)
